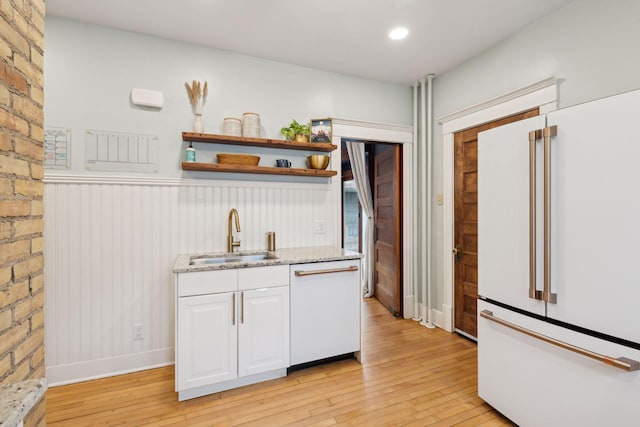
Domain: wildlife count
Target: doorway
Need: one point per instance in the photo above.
(466, 222)
(351, 216)
(384, 164)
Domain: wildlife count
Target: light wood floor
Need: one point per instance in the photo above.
(410, 376)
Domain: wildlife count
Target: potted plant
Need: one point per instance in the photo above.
(296, 131)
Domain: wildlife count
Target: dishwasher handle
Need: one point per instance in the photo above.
(301, 273)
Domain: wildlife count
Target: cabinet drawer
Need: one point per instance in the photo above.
(508, 359)
(207, 282)
(263, 277)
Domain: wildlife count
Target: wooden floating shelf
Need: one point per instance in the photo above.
(214, 167)
(257, 142)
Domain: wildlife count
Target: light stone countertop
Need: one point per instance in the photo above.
(16, 400)
(282, 256)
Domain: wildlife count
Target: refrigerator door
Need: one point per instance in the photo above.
(504, 217)
(595, 210)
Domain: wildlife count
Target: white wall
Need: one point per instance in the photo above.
(592, 45)
(112, 238)
(90, 71)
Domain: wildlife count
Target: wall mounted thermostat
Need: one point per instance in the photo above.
(147, 98)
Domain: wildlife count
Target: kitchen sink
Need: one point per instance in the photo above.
(228, 258)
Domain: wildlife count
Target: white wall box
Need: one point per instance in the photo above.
(232, 328)
(147, 98)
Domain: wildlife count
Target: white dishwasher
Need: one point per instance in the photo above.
(325, 310)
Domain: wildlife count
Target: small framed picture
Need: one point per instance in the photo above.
(321, 130)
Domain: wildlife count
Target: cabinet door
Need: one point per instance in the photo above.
(207, 340)
(264, 330)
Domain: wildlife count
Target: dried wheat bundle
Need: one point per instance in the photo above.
(197, 93)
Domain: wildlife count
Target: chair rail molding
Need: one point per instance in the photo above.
(57, 178)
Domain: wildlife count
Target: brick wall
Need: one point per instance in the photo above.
(21, 190)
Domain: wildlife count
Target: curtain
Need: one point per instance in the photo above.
(361, 179)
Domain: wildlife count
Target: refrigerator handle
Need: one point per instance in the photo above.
(623, 363)
(547, 295)
(533, 293)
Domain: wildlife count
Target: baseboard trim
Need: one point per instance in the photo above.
(466, 335)
(101, 368)
(437, 317)
(227, 385)
(447, 317)
(407, 311)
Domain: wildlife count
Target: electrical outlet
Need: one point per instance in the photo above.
(319, 227)
(138, 331)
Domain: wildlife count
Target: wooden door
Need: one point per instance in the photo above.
(466, 222)
(388, 223)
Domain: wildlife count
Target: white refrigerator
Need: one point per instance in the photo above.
(559, 266)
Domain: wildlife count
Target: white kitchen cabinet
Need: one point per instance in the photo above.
(207, 340)
(232, 328)
(263, 335)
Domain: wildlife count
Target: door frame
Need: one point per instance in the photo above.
(542, 95)
(389, 134)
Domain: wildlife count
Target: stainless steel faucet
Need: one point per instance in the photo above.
(230, 242)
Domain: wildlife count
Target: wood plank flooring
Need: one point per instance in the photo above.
(410, 376)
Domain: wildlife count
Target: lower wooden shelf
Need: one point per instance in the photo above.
(214, 167)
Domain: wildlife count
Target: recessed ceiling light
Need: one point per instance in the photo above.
(398, 33)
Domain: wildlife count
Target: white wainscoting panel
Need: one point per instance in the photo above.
(110, 249)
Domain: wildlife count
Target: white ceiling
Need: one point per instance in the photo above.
(345, 36)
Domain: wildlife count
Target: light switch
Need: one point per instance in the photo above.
(440, 199)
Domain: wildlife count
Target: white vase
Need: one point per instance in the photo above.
(198, 125)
